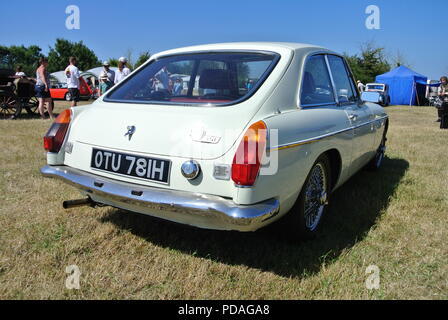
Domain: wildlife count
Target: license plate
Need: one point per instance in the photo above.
(157, 170)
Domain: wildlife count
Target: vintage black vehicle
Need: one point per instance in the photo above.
(16, 93)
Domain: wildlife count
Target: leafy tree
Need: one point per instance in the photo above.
(128, 56)
(59, 55)
(398, 59)
(27, 57)
(142, 59)
(4, 57)
(370, 63)
(113, 62)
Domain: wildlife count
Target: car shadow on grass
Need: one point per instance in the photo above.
(355, 209)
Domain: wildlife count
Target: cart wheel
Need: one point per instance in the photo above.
(32, 105)
(10, 108)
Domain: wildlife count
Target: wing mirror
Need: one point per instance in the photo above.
(374, 97)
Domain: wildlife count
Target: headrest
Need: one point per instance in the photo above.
(215, 79)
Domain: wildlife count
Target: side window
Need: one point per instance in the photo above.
(316, 83)
(342, 81)
(352, 82)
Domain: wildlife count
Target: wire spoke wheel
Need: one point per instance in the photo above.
(315, 196)
(306, 215)
(9, 106)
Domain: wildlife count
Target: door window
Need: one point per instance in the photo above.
(344, 86)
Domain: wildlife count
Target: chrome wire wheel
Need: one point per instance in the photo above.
(315, 196)
(307, 213)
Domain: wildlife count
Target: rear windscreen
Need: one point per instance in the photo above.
(204, 78)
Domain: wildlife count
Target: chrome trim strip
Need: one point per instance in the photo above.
(315, 139)
(319, 105)
(335, 92)
(199, 210)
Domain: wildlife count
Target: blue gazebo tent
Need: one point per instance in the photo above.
(406, 87)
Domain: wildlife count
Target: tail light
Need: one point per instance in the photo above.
(247, 161)
(55, 136)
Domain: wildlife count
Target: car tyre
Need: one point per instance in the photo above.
(67, 96)
(377, 161)
(306, 215)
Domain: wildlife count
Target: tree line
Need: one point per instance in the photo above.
(28, 57)
(366, 65)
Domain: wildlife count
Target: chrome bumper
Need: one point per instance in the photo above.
(199, 210)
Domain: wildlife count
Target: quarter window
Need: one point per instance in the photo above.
(344, 88)
(316, 83)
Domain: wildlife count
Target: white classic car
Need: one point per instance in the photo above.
(260, 131)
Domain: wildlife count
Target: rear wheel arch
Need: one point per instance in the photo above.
(335, 166)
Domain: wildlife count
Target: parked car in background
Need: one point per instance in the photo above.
(382, 89)
(60, 90)
(221, 155)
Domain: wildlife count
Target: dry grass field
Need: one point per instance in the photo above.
(396, 219)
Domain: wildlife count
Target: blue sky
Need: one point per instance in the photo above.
(414, 28)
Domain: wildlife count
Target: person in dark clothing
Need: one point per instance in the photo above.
(443, 95)
(442, 111)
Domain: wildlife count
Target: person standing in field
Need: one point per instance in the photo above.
(360, 86)
(443, 94)
(107, 78)
(72, 74)
(42, 88)
(123, 71)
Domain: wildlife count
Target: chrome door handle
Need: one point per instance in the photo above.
(353, 117)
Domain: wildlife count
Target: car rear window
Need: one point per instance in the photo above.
(375, 87)
(200, 78)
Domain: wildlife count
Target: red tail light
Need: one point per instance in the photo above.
(55, 136)
(247, 161)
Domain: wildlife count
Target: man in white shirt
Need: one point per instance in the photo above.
(123, 71)
(19, 72)
(73, 76)
(360, 86)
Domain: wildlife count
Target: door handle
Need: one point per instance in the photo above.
(353, 117)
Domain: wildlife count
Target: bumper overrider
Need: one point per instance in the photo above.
(199, 210)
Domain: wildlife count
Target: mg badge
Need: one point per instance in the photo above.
(190, 169)
(131, 131)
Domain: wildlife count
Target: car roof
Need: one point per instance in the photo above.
(259, 46)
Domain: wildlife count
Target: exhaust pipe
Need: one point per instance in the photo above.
(68, 204)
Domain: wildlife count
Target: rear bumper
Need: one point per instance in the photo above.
(199, 210)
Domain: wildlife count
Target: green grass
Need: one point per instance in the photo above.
(395, 219)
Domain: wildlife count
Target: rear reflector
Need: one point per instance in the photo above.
(247, 161)
(56, 134)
